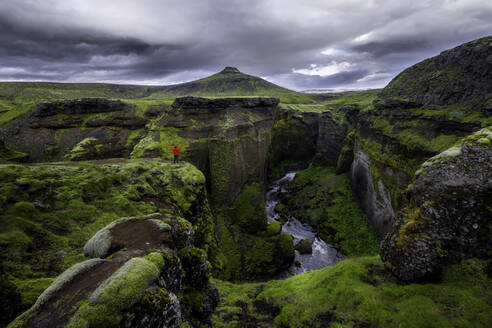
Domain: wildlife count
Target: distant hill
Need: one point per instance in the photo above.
(44, 91)
(228, 83)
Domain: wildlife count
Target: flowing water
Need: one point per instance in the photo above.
(323, 254)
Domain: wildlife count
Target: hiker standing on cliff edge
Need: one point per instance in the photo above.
(175, 150)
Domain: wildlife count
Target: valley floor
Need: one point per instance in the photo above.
(359, 292)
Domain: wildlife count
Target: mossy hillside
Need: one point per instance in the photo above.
(50, 211)
(21, 92)
(231, 82)
(324, 200)
(456, 76)
(359, 292)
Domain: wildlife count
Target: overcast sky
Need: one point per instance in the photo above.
(308, 44)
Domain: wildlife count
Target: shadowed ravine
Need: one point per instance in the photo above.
(323, 254)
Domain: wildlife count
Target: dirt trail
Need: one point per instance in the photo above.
(130, 239)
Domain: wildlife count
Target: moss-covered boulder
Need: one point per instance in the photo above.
(137, 285)
(305, 246)
(448, 217)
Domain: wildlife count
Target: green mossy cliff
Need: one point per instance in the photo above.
(49, 211)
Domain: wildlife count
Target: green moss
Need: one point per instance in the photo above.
(122, 290)
(249, 209)
(82, 149)
(358, 292)
(274, 228)
(31, 289)
(383, 125)
(192, 299)
(7, 154)
(220, 171)
(14, 111)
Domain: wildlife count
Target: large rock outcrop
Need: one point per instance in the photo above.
(54, 131)
(461, 75)
(448, 216)
(138, 267)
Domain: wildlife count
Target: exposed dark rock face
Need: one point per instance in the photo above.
(448, 217)
(458, 76)
(218, 104)
(331, 138)
(294, 142)
(374, 200)
(82, 106)
(51, 131)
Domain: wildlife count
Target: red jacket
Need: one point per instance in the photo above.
(175, 150)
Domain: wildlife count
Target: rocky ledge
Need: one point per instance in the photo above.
(221, 103)
(79, 106)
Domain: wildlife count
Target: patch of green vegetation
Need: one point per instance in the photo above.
(10, 112)
(143, 104)
(390, 158)
(236, 306)
(382, 125)
(23, 92)
(363, 99)
(119, 292)
(316, 108)
(274, 228)
(249, 209)
(83, 148)
(30, 289)
(359, 292)
(7, 154)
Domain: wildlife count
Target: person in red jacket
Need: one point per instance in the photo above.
(175, 150)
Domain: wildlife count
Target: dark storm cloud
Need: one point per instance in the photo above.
(298, 44)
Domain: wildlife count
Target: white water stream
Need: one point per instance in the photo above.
(323, 254)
